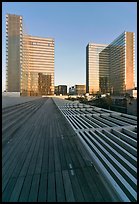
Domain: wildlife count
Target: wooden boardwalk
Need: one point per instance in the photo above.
(42, 160)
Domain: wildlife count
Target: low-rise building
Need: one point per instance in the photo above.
(61, 89)
(77, 90)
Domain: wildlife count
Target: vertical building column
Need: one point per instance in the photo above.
(130, 61)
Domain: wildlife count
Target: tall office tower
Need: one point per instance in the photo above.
(122, 63)
(29, 60)
(40, 65)
(13, 52)
(24, 83)
(104, 71)
(111, 68)
(92, 67)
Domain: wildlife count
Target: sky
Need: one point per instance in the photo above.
(72, 25)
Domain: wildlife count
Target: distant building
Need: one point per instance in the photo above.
(61, 89)
(111, 68)
(133, 93)
(77, 90)
(72, 90)
(56, 90)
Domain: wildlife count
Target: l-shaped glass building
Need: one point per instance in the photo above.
(29, 60)
(113, 70)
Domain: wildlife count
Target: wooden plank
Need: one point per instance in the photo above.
(26, 189)
(34, 188)
(76, 150)
(42, 188)
(64, 127)
(20, 152)
(32, 164)
(56, 156)
(16, 126)
(19, 165)
(12, 160)
(8, 175)
(45, 157)
(9, 149)
(51, 151)
(70, 134)
(51, 196)
(40, 153)
(100, 185)
(78, 194)
(92, 185)
(60, 193)
(84, 186)
(17, 189)
(29, 154)
(66, 152)
(68, 187)
(24, 128)
(62, 155)
(8, 190)
(57, 135)
(15, 163)
(72, 154)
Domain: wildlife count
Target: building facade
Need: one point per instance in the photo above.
(14, 36)
(30, 61)
(92, 67)
(61, 89)
(40, 66)
(110, 69)
(77, 90)
(104, 71)
(122, 63)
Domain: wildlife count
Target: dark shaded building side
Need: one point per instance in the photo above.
(61, 89)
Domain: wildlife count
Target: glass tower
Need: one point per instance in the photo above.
(111, 68)
(40, 66)
(104, 71)
(119, 61)
(29, 60)
(13, 52)
(92, 67)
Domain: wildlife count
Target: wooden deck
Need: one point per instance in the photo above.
(42, 160)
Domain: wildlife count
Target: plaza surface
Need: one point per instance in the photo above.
(44, 160)
(9, 100)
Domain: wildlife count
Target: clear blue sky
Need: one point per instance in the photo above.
(73, 25)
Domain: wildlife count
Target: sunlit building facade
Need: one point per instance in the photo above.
(14, 35)
(92, 67)
(80, 89)
(110, 69)
(40, 66)
(122, 63)
(29, 61)
(104, 71)
(24, 82)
